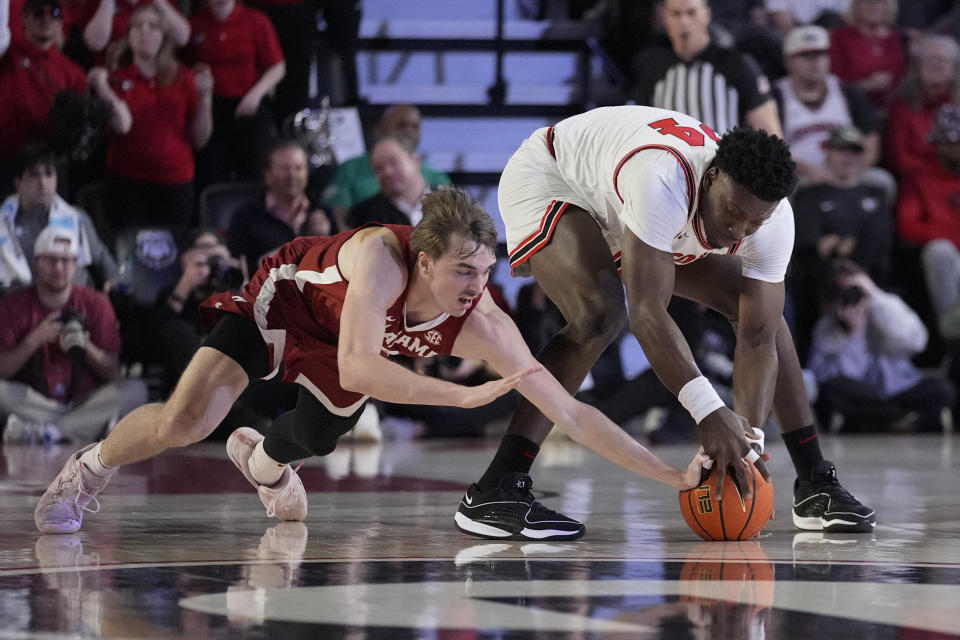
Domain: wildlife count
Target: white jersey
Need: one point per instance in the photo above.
(638, 168)
(805, 129)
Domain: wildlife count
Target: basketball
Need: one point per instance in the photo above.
(732, 518)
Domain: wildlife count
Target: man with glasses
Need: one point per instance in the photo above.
(32, 72)
(59, 346)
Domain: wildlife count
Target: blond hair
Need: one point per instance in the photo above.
(450, 215)
(120, 55)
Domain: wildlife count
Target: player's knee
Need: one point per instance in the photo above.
(598, 324)
(181, 428)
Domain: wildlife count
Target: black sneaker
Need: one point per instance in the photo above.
(821, 504)
(509, 511)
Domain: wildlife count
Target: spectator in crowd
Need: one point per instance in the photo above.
(402, 185)
(785, 16)
(929, 200)
(813, 103)
(111, 20)
(861, 353)
(694, 70)
(282, 213)
(59, 348)
(36, 205)
(161, 112)
(32, 72)
(355, 180)
(242, 50)
(843, 217)
(870, 51)
(207, 268)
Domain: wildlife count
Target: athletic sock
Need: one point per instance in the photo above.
(263, 468)
(515, 455)
(804, 448)
(94, 462)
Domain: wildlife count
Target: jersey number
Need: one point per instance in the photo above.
(669, 127)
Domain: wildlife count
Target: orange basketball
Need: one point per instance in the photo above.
(732, 518)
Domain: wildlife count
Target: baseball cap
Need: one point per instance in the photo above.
(55, 241)
(845, 138)
(806, 38)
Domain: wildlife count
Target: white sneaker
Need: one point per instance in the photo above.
(22, 432)
(286, 499)
(61, 507)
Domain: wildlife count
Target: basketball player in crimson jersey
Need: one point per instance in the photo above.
(329, 310)
(652, 200)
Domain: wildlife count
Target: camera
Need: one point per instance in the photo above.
(73, 340)
(224, 276)
(850, 296)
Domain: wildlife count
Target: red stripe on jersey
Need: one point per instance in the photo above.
(536, 241)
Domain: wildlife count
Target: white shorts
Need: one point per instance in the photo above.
(532, 198)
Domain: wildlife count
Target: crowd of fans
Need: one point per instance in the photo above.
(132, 108)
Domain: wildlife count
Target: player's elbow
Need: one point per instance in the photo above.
(352, 376)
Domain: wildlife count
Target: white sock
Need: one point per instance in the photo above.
(94, 463)
(263, 468)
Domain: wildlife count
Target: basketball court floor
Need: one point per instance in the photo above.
(182, 549)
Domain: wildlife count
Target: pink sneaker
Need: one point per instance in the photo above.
(286, 499)
(61, 508)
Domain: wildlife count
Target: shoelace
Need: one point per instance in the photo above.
(82, 492)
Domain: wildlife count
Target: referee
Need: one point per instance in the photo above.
(722, 88)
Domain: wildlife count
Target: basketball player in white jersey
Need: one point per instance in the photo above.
(647, 198)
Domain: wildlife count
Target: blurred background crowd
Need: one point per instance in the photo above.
(152, 151)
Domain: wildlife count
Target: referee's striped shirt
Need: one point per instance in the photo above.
(718, 87)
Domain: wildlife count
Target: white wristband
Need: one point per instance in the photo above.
(699, 398)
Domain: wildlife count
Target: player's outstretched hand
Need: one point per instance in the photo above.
(694, 473)
(722, 436)
(490, 391)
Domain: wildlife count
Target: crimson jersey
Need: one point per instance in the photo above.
(296, 299)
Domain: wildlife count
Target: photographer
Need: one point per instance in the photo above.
(208, 268)
(844, 217)
(58, 353)
(861, 353)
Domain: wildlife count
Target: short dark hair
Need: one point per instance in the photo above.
(450, 213)
(279, 144)
(759, 162)
(36, 154)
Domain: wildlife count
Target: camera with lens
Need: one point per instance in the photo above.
(224, 276)
(850, 296)
(73, 339)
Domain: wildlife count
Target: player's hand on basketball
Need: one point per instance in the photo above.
(693, 475)
(722, 436)
(490, 391)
